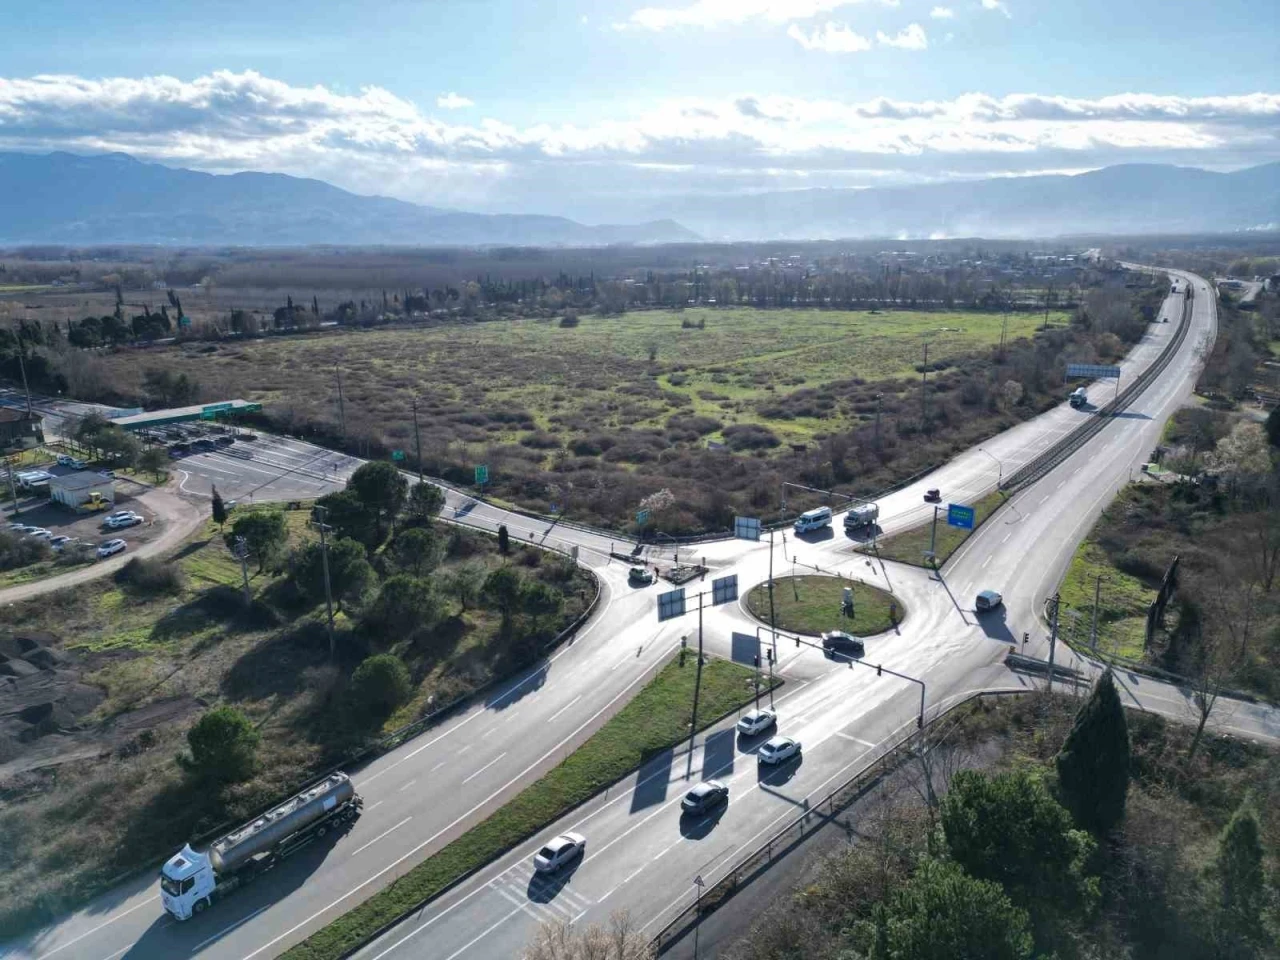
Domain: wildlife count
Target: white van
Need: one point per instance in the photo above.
(813, 520)
(863, 515)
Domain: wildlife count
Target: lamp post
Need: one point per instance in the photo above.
(999, 465)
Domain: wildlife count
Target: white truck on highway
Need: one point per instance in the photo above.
(862, 516)
(190, 880)
(1078, 397)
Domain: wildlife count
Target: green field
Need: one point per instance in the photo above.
(656, 719)
(812, 605)
(910, 545)
(1122, 604)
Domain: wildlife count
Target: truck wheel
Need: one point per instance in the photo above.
(322, 831)
(200, 905)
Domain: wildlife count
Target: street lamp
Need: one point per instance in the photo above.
(999, 465)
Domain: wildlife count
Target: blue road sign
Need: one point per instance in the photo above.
(397, 454)
(642, 517)
(671, 604)
(1093, 371)
(482, 474)
(960, 516)
(746, 528)
(724, 589)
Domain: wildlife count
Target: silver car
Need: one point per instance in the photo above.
(778, 750)
(559, 851)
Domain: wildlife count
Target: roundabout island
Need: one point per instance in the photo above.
(814, 604)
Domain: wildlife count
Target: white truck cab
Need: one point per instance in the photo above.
(186, 882)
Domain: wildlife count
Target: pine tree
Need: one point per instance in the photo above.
(1240, 872)
(219, 509)
(1093, 765)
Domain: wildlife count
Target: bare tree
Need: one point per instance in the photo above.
(619, 940)
(935, 762)
(1209, 661)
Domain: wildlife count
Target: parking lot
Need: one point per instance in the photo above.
(89, 527)
(266, 468)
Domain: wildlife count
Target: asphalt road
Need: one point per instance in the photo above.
(640, 856)
(266, 469)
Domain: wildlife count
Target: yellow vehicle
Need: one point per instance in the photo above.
(96, 501)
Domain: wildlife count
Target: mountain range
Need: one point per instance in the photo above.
(113, 198)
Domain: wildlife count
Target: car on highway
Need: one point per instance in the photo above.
(705, 796)
(756, 721)
(122, 519)
(640, 576)
(837, 641)
(559, 851)
(933, 495)
(778, 750)
(110, 548)
(987, 600)
(224, 440)
(178, 451)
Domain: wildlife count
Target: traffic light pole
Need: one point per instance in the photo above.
(879, 668)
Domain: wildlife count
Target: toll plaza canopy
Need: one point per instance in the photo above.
(206, 411)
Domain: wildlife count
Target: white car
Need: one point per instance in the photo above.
(111, 548)
(118, 521)
(39, 533)
(60, 541)
(559, 851)
(20, 527)
(756, 721)
(778, 750)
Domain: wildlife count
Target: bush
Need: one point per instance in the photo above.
(150, 577)
(379, 685)
(21, 551)
(750, 436)
(223, 746)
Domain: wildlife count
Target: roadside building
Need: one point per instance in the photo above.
(20, 430)
(83, 490)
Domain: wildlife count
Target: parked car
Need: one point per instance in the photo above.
(64, 460)
(756, 721)
(778, 750)
(17, 527)
(987, 600)
(39, 533)
(109, 474)
(559, 851)
(110, 548)
(837, 641)
(60, 541)
(933, 495)
(126, 518)
(640, 576)
(705, 796)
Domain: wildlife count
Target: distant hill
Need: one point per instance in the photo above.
(63, 198)
(1128, 199)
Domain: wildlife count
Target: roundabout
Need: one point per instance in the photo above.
(814, 604)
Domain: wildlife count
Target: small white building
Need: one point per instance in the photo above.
(74, 490)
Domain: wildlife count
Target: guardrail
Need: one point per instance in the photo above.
(1068, 445)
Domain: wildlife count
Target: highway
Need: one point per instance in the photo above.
(640, 856)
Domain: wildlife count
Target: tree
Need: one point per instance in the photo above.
(347, 515)
(1008, 829)
(463, 583)
(425, 501)
(1093, 765)
(153, 460)
(942, 913)
(223, 746)
(1273, 427)
(219, 509)
(405, 606)
(350, 575)
(504, 539)
(1242, 455)
(503, 589)
(539, 600)
(560, 940)
(381, 488)
(265, 533)
(418, 550)
(379, 685)
(1239, 867)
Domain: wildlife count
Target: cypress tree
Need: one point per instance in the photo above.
(1239, 867)
(219, 508)
(1093, 765)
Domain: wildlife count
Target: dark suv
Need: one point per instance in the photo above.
(837, 641)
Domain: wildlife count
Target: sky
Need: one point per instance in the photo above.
(615, 110)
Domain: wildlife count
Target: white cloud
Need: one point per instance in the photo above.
(373, 141)
(715, 13)
(830, 38)
(912, 38)
(996, 5)
(942, 13)
(451, 101)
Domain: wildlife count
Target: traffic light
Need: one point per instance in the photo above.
(797, 643)
(879, 670)
(756, 661)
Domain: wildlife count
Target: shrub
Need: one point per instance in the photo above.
(750, 436)
(223, 746)
(379, 685)
(150, 577)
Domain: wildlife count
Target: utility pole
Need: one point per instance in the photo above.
(1093, 632)
(241, 553)
(879, 402)
(13, 491)
(757, 677)
(924, 392)
(342, 413)
(1053, 636)
(773, 615)
(769, 655)
(697, 691)
(23, 367)
(328, 593)
(417, 437)
(933, 538)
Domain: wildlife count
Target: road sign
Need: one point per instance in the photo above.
(1093, 371)
(746, 528)
(397, 454)
(482, 474)
(671, 604)
(642, 517)
(573, 551)
(724, 589)
(554, 508)
(210, 407)
(960, 516)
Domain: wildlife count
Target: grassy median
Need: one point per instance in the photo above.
(910, 545)
(814, 604)
(655, 720)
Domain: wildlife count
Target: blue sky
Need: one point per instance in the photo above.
(617, 109)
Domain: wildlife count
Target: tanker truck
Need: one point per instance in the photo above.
(190, 880)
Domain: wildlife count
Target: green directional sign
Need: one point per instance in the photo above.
(482, 474)
(397, 454)
(642, 517)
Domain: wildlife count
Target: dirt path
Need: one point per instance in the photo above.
(181, 517)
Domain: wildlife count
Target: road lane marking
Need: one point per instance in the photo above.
(1006, 537)
(524, 905)
(664, 852)
(985, 562)
(104, 923)
(372, 807)
(437, 766)
(564, 708)
(485, 767)
(223, 932)
(849, 736)
(465, 948)
(407, 785)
